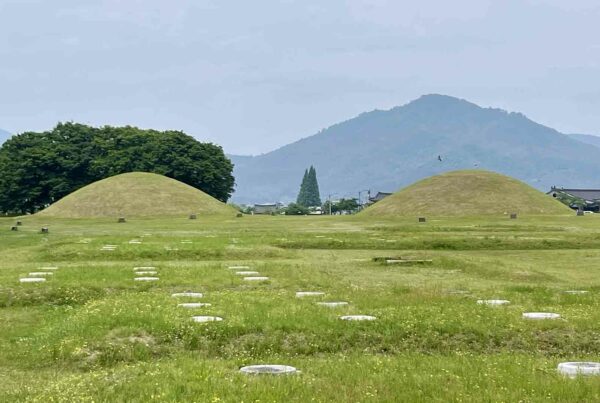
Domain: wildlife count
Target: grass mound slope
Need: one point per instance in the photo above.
(136, 194)
(467, 193)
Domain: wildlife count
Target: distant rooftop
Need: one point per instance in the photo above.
(585, 194)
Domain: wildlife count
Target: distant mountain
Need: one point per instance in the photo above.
(587, 138)
(4, 135)
(386, 150)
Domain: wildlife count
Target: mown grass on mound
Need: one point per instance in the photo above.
(136, 194)
(467, 193)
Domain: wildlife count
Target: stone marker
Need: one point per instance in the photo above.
(32, 280)
(493, 302)
(357, 317)
(145, 273)
(146, 279)
(121, 220)
(19, 223)
(238, 267)
(256, 278)
(246, 273)
(422, 219)
(144, 268)
(573, 369)
(203, 319)
(239, 215)
(193, 216)
(575, 292)
(268, 369)
(13, 228)
(135, 242)
(301, 294)
(191, 305)
(513, 216)
(333, 304)
(45, 230)
(41, 274)
(540, 315)
(187, 294)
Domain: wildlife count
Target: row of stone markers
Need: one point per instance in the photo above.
(570, 369)
(39, 276)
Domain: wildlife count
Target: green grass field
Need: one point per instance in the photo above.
(91, 333)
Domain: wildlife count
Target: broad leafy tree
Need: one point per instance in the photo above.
(38, 169)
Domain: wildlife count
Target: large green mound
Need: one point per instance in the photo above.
(136, 194)
(467, 193)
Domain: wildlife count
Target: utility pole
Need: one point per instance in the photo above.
(329, 198)
(360, 192)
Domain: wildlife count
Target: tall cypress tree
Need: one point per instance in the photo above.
(302, 195)
(309, 189)
(313, 194)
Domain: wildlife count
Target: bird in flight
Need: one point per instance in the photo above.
(439, 158)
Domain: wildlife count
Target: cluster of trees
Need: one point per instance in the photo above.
(38, 169)
(349, 206)
(309, 195)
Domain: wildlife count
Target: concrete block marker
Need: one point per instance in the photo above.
(256, 278)
(186, 241)
(540, 315)
(575, 292)
(238, 267)
(14, 228)
(333, 304)
(193, 216)
(146, 279)
(573, 369)
(187, 294)
(40, 274)
(493, 302)
(302, 294)
(268, 369)
(144, 268)
(146, 273)
(135, 242)
(121, 220)
(32, 280)
(246, 273)
(45, 230)
(357, 317)
(204, 319)
(192, 305)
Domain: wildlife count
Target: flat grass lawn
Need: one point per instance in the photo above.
(92, 333)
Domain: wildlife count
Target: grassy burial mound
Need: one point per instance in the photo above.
(136, 194)
(467, 193)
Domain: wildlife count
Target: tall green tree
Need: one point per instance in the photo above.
(309, 195)
(41, 168)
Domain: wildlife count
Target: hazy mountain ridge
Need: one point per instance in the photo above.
(587, 138)
(386, 150)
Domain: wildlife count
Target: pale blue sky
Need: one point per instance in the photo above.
(255, 75)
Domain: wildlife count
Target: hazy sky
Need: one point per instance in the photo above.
(255, 75)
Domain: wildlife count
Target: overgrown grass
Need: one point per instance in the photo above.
(91, 333)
